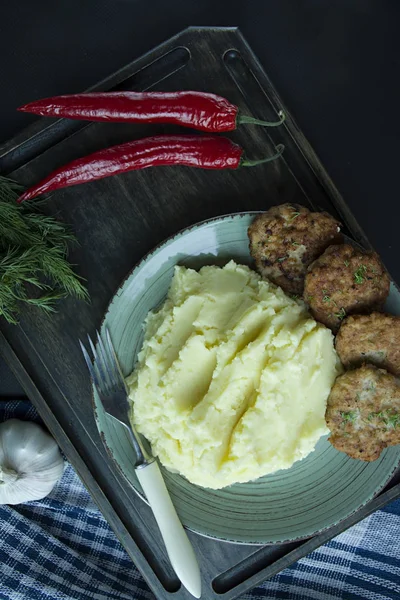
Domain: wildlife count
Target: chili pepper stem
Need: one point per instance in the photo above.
(253, 163)
(241, 119)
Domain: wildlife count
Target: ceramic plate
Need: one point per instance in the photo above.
(313, 494)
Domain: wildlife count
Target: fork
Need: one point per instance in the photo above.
(110, 384)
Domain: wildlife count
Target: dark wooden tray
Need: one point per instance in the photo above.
(117, 221)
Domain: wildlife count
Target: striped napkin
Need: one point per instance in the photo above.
(61, 548)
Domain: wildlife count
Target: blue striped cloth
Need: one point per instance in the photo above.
(61, 548)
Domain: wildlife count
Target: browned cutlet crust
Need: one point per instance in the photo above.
(373, 338)
(363, 412)
(345, 280)
(286, 239)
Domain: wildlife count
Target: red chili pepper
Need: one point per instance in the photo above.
(199, 110)
(205, 152)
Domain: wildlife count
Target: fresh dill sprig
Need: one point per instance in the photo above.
(55, 267)
(33, 256)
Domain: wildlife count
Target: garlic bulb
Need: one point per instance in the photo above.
(30, 462)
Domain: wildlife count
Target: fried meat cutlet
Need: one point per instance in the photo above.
(345, 280)
(373, 338)
(363, 412)
(286, 239)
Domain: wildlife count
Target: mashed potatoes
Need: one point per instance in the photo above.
(233, 377)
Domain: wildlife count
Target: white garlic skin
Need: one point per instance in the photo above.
(30, 462)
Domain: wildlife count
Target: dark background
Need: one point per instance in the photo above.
(334, 62)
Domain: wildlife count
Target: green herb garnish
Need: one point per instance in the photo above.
(294, 216)
(340, 314)
(346, 263)
(282, 258)
(295, 243)
(393, 420)
(389, 418)
(33, 256)
(326, 298)
(359, 274)
(349, 417)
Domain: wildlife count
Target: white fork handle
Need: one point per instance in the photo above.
(179, 548)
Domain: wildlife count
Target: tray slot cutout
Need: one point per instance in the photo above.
(265, 104)
(264, 558)
(152, 74)
(251, 90)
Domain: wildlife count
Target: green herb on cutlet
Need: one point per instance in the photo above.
(388, 417)
(340, 314)
(349, 416)
(359, 274)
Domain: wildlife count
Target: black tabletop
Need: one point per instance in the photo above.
(334, 62)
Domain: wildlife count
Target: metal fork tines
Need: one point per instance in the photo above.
(110, 384)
